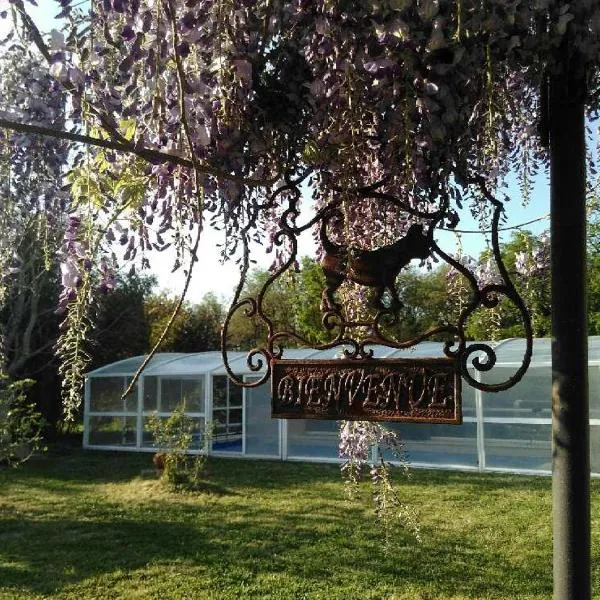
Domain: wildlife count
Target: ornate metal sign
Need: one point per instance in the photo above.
(407, 390)
(359, 386)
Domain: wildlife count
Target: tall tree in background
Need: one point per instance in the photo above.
(292, 302)
(33, 211)
(593, 256)
(121, 325)
(196, 328)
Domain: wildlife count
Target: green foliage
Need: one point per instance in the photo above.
(174, 436)
(292, 303)
(72, 348)
(426, 301)
(121, 327)
(197, 327)
(504, 321)
(593, 263)
(535, 288)
(310, 282)
(96, 179)
(29, 325)
(130, 319)
(20, 424)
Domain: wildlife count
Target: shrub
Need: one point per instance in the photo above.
(174, 437)
(20, 424)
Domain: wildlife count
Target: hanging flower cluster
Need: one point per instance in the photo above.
(31, 166)
(536, 261)
(29, 94)
(358, 440)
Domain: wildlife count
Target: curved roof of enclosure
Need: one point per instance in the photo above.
(509, 352)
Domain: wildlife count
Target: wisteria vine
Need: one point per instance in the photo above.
(226, 100)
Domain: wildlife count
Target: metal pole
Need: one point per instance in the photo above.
(570, 409)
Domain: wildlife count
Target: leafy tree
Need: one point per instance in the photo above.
(196, 327)
(426, 301)
(593, 256)
(309, 284)
(121, 327)
(292, 302)
(21, 424)
(245, 333)
(526, 258)
(199, 328)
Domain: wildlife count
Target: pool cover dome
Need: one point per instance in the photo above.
(507, 431)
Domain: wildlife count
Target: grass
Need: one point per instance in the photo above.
(86, 525)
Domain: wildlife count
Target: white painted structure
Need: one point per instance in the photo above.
(508, 431)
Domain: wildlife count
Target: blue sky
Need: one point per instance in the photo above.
(210, 275)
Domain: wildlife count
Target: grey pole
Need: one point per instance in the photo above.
(570, 409)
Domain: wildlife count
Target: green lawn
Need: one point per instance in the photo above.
(86, 525)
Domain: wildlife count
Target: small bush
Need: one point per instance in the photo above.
(20, 424)
(174, 437)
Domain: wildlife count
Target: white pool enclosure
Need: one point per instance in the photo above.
(506, 431)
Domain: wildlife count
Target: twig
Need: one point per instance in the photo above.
(482, 231)
(172, 318)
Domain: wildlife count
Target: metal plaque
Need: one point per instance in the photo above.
(406, 390)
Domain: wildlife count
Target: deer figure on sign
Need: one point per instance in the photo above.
(373, 268)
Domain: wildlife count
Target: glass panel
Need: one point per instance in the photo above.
(309, 438)
(468, 399)
(594, 379)
(595, 448)
(112, 431)
(518, 446)
(262, 432)
(530, 398)
(192, 391)
(227, 439)
(220, 416)
(131, 400)
(227, 433)
(220, 390)
(235, 416)
(170, 398)
(437, 444)
(150, 393)
(105, 395)
(235, 395)
(198, 434)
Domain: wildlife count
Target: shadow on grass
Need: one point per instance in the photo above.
(256, 526)
(51, 555)
(80, 467)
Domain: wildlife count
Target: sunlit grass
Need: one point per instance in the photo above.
(88, 525)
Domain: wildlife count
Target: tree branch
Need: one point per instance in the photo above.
(148, 154)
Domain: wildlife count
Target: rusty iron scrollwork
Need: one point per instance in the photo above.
(377, 270)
